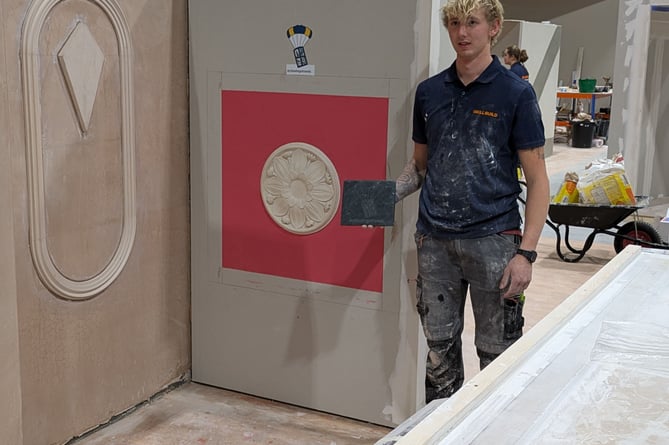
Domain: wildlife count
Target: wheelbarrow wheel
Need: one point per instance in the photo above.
(640, 231)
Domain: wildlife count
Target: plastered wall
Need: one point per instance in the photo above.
(10, 378)
(72, 363)
(637, 114)
(592, 28)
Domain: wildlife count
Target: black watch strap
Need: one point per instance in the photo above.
(530, 255)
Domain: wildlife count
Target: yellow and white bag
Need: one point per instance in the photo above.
(605, 183)
(568, 193)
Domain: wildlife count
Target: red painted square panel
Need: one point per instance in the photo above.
(351, 132)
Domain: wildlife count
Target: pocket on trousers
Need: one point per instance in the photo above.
(513, 320)
(420, 306)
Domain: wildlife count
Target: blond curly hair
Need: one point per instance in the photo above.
(461, 9)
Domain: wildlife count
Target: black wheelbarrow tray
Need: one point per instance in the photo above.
(601, 219)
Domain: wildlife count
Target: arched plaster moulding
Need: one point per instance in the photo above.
(300, 188)
(47, 271)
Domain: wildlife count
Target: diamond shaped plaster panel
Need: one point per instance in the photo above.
(81, 61)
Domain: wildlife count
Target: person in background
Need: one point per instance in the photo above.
(473, 124)
(516, 58)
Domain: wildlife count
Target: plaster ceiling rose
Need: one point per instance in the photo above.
(300, 188)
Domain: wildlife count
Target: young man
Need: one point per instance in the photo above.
(474, 123)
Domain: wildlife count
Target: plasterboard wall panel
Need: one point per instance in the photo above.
(331, 348)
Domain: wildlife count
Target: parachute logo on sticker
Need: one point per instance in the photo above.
(299, 35)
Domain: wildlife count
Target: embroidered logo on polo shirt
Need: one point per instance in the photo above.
(485, 113)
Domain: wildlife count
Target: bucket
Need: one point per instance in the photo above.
(582, 133)
(587, 85)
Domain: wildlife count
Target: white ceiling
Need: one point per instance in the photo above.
(540, 10)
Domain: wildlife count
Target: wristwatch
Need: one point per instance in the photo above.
(530, 255)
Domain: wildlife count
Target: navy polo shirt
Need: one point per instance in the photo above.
(473, 134)
(520, 70)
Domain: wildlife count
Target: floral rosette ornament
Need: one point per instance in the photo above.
(300, 188)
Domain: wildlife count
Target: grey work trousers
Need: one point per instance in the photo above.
(447, 269)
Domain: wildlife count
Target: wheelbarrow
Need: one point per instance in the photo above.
(605, 219)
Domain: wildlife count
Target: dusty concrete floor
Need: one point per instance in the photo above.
(201, 415)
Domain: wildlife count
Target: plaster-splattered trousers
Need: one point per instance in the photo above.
(446, 270)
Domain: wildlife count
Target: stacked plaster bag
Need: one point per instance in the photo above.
(568, 193)
(604, 183)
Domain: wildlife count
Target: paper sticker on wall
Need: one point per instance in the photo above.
(302, 146)
(299, 35)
